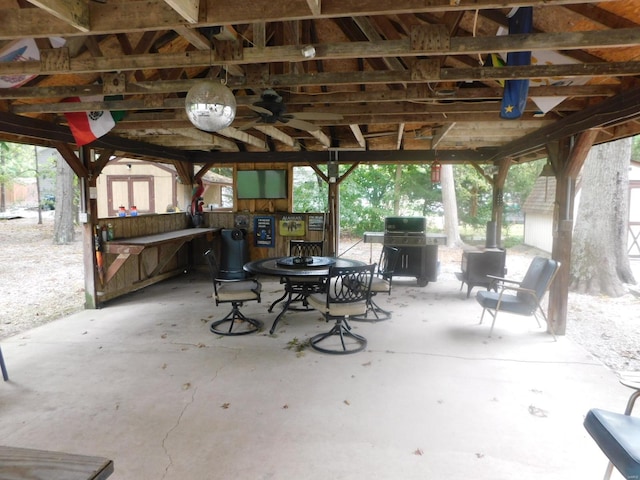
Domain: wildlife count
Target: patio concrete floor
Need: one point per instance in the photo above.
(144, 383)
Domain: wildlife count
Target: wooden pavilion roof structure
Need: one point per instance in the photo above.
(389, 81)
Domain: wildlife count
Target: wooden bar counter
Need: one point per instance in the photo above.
(149, 258)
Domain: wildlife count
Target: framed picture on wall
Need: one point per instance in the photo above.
(241, 221)
(316, 223)
(292, 226)
(263, 232)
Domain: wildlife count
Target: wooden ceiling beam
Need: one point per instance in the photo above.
(39, 129)
(350, 156)
(343, 50)
(73, 12)
(412, 93)
(357, 133)
(418, 75)
(315, 6)
(625, 106)
(188, 9)
(142, 15)
(279, 135)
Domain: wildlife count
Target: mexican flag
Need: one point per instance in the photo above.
(88, 126)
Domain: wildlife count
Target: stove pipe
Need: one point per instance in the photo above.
(492, 235)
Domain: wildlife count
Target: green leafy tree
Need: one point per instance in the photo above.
(16, 161)
(518, 185)
(310, 192)
(422, 197)
(366, 197)
(474, 196)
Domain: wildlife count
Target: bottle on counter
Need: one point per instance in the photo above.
(104, 233)
(110, 232)
(133, 211)
(121, 211)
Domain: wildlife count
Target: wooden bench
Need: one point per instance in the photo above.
(29, 464)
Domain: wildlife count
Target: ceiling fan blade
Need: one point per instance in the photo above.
(316, 116)
(250, 124)
(260, 110)
(301, 124)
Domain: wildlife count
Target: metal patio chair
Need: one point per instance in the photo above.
(381, 283)
(347, 291)
(297, 289)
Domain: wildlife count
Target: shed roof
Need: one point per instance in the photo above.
(542, 197)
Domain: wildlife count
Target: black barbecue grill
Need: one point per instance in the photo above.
(418, 249)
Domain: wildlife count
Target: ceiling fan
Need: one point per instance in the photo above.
(271, 110)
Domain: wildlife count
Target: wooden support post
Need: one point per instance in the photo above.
(333, 227)
(90, 207)
(567, 158)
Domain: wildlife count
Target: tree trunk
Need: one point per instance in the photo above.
(63, 228)
(599, 260)
(450, 205)
(396, 190)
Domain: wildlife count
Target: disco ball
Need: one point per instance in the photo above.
(210, 105)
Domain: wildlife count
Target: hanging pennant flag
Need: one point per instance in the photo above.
(88, 126)
(514, 99)
(549, 57)
(18, 51)
(495, 60)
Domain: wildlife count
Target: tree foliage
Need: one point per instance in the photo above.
(474, 196)
(367, 194)
(16, 161)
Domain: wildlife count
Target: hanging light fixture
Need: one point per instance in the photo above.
(547, 170)
(210, 105)
(435, 172)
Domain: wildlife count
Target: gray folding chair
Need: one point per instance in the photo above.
(520, 297)
(617, 433)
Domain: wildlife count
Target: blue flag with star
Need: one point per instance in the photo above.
(514, 99)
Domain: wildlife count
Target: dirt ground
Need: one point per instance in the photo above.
(40, 282)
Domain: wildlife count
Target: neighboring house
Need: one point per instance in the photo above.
(538, 211)
(21, 193)
(154, 188)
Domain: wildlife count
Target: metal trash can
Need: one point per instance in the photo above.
(234, 253)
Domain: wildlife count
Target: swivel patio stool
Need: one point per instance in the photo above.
(236, 292)
(347, 293)
(617, 434)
